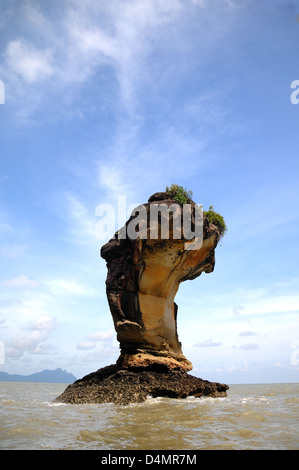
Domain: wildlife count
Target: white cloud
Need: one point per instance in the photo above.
(33, 339)
(102, 335)
(85, 36)
(21, 282)
(79, 219)
(43, 323)
(269, 314)
(67, 287)
(207, 343)
(113, 180)
(86, 345)
(135, 28)
(272, 304)
(22, 308)
(102, 344)
(22, 299)
(27, 62)
(249, 346)
(106, 353)
(240, 304)
(88, 36)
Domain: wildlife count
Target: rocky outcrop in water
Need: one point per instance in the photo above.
(143, 278)
(113, 384)
(145, 268)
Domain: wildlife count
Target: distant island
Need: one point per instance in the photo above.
(45, 376)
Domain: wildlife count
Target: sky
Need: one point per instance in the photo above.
(106, 100)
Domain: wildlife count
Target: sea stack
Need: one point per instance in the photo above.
(146, 261)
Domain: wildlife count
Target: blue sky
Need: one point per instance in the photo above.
(121, 98)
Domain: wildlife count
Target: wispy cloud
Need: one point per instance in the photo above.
(33, 339)
(13, 251)
(5, 222)
(87, 43)
(79, 219)
(249, 346)
(85, 345)
(112, 179)
(119, 37)
(247, 333)
(102, 335)
(277, 304)
(23, 299)
(21, 282)
(208, 343)
(12, 229)
(99, 346)
(68, 287)
(27, 62)
(106, 339)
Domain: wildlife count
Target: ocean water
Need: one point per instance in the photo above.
(251, 417)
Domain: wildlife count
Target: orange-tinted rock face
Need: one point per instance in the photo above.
(143, 278)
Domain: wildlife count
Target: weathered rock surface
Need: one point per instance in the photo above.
(112, 384)
(144, 274)
(143, 278)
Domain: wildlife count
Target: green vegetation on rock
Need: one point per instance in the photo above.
(179, 194)
(184, 196)
(216, 219)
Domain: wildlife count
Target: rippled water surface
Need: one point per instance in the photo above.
(263, 416)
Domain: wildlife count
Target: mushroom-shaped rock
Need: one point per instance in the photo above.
(147, 260)
(145, 269)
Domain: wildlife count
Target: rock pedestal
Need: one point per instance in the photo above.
(145, 269)
(143, 278)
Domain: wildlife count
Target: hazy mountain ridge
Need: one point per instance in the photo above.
(45, 376)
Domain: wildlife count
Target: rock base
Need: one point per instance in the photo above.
(113, 384)
(148, 361)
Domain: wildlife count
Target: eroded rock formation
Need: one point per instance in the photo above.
(143, 278)
(144, 274)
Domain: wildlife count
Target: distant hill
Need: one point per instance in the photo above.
(46, 376)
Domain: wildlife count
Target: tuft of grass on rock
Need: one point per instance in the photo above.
(179, 193)
(216, 219)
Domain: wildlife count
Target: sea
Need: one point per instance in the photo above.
(251, 417)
